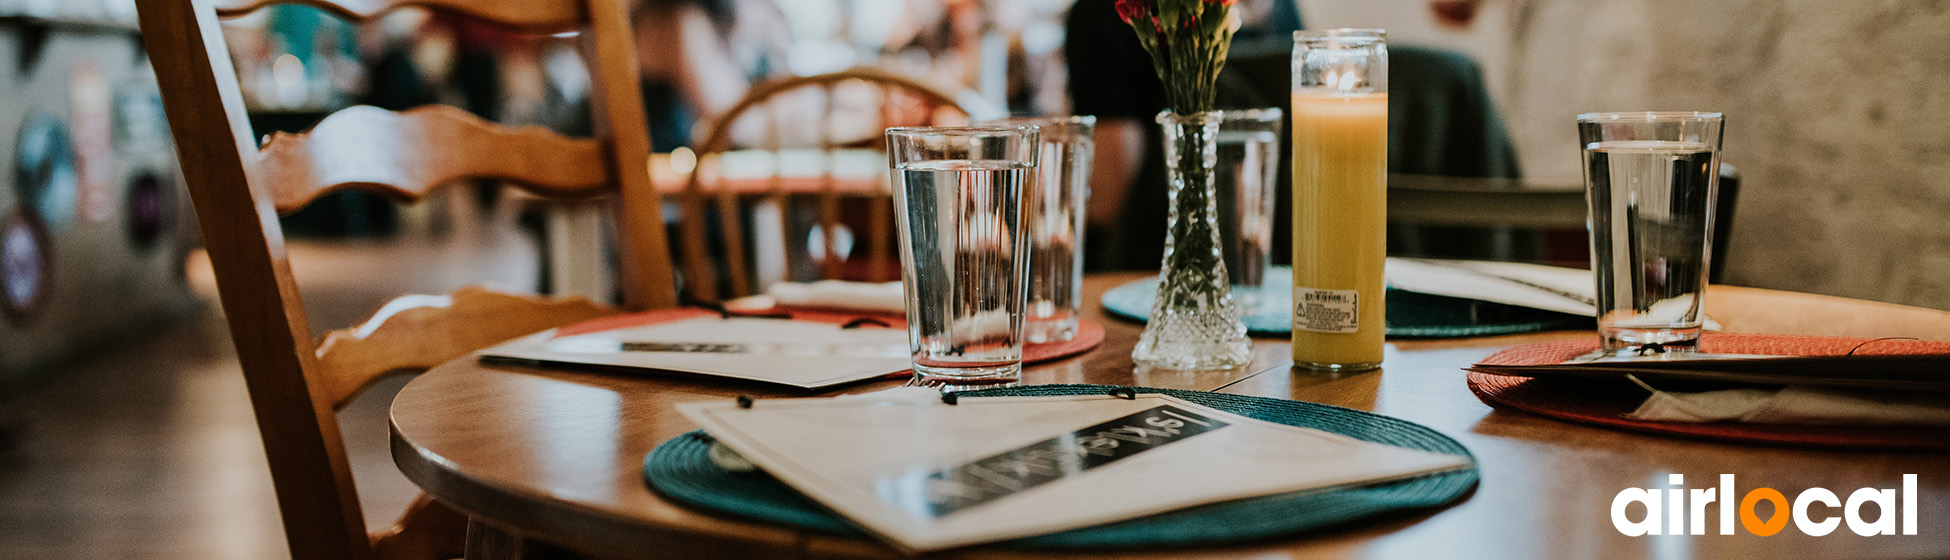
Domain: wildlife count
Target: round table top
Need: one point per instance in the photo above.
(555, 455)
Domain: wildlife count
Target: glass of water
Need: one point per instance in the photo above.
(958, 199)
(1651, 180)
(1247, 174)
(1053, 217)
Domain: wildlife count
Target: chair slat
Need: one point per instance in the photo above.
(700, 278)
(408, 154)
(830, 261)
(880, 235)
(522, 14)
(731, 215)
(416, 332)
(776, 192)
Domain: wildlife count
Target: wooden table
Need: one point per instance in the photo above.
(552, 456)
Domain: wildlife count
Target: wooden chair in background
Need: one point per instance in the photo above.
(1554, 213)
(841, 167)
(296, 385)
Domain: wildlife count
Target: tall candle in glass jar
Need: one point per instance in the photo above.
(1340, 198)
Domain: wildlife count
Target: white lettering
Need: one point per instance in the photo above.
(1647, 526)
(1885, 523)
(1135, 434)
(1676, 505)
(1098, 445)
(1669, 518)
(1807, 524)
(1728, 504)
(1701, 497)
(1909, 504)
(1185, 418)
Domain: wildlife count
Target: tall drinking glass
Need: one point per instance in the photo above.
(1054, 218)
(1247, 174)
(1651, 180)
(958, 201)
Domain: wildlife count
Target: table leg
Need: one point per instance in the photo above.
(486, 541)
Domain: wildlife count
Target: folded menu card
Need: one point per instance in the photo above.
(925, 475)
(802, 354)
(1885, 372)
(1551, 288)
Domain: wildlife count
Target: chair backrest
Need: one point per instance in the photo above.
(842, 169)
(1554, 215)
(239, 189)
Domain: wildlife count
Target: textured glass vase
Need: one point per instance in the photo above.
(1194, 323)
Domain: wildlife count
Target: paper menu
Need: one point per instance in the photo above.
(926, 476)
(803, 354)
(1551, 288)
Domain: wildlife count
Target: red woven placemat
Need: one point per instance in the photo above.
(1089, 333)
(1605, 402)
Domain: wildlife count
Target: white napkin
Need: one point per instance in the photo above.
(839, 294)
(1795, 405)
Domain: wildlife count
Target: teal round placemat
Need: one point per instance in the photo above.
(1268, 310)
(681, 469)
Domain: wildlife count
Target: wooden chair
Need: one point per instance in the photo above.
(1544, 209)
(888, 100)
(239, 189)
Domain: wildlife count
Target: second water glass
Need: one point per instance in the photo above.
(1245, 183)
(1053, 218)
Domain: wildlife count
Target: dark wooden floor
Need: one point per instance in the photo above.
(149, 449)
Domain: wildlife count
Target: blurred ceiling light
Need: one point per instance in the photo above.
(288, 76)
(683, 160)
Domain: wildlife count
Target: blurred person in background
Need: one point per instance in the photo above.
(1111, 77)
(698, 57)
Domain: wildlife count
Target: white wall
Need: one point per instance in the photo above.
(1838, 115)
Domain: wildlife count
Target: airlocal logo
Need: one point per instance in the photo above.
(1664, 510)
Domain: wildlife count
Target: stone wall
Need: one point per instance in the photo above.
(1838, 116)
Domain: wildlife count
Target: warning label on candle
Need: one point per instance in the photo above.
(1326, 311)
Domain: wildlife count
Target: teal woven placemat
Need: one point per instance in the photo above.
(681, 469)
(1268, 310)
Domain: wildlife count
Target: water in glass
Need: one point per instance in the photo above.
(1651, 208)
(965, 267)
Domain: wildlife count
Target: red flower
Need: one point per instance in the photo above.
(1134, 10)
(1226, 3)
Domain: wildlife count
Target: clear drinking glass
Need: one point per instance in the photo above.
(1651, 180)
(1054, 217)
(958, 201)
(1248, 171)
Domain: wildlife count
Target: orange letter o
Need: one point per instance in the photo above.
(1752, 522)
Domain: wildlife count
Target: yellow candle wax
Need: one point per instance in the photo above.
(1340, 214)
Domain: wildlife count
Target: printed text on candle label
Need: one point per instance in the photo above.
(1326, 311)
